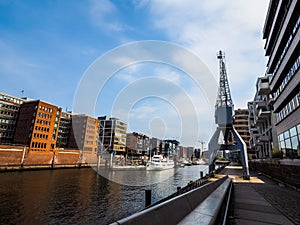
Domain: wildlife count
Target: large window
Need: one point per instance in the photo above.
(289, 142)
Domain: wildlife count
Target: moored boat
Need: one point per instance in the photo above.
(128, 167)
(199, 162)
(159, 163)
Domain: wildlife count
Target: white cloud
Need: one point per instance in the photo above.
(207, 26)
(147, 69)
(104, 15)
(143, 111)
(167, 73)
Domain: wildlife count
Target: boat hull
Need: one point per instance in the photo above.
(122, 168)
(160, 166)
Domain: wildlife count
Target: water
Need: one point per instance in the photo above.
(81, 196)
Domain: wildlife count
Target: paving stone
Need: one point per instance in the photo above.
(262, 201)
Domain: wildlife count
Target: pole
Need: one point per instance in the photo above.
(23, 156)
(202, 149)
(147, 197)
(98, 163)
(99, 156)
(201, 174)
(111, 157)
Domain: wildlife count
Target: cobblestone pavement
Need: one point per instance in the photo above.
(283, 199)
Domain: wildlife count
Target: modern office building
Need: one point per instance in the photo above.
(190, 152)
(240, 123)
(155, 145)
(137, 143)
(183, 152)
(112, 137)
(84, 134)
(169, 147)
(9, 111)
(37, 126)
(282, 35)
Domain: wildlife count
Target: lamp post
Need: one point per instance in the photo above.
(202, 149)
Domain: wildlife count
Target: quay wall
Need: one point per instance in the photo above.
(11, 156)
(36, 158)
(19, 157)
(289, 174)
(67, 157)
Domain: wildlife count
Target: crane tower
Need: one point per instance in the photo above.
(223, 119)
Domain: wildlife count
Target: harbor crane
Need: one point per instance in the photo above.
(232, 141)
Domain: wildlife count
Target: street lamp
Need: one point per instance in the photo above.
(202, 149)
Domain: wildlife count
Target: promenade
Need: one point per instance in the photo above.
(261, 200)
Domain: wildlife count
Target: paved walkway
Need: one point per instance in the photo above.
(260, 200)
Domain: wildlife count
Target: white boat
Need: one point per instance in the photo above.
(159, 163)
(199, 162)
(186, 162)
(128, 167)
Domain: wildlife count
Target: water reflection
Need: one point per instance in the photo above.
(81, 196)
(137, 177)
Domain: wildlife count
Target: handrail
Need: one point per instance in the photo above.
(183, 205)
(225, 217)
(211, 210)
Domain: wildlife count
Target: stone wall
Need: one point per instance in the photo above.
(11, 155)
(38, 158)
(67, 157)
(289, 174)
(18, 156)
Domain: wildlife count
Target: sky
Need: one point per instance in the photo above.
(47, 48)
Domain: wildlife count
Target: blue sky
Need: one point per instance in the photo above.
(46, 47)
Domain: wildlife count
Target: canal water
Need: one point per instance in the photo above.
(82, 196)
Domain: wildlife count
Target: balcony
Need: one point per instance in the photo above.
(253, 129)
(261, 104)
(256, 135)
(263, 87)
(271, 101)
(263, 114)
(258, 143)
(264, 138)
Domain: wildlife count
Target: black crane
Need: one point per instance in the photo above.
(223, 118)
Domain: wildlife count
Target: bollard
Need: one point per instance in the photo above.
(201, 174)
(178, 188)
(147, 198)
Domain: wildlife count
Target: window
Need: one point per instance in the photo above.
(289, 142)
(294, 142)
(293, 131)
(286, 134)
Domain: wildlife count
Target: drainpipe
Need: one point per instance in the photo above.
(23, 156)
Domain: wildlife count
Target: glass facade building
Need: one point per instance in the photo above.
(282, 35)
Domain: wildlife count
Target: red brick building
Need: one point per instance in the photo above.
(37, 126)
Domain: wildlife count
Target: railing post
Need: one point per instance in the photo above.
(147, 198)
